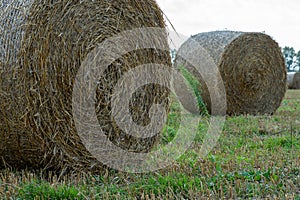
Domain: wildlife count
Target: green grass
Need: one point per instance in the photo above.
(256, 157)
(44, 190)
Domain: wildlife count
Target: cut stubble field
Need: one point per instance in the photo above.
(256, 157)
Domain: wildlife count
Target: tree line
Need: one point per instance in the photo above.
(292, 59)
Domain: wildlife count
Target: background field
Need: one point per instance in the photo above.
(256, 157)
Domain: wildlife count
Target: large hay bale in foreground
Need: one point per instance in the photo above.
(251, 65)
(293, 80)
(43, 44)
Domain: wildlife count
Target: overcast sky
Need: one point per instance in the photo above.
(278, 18)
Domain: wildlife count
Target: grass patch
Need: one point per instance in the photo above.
(43, 190)
(256, 157)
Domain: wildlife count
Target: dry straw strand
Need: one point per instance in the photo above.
(252, 68)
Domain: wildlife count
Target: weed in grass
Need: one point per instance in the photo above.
(196, 88)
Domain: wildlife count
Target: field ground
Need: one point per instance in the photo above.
(256, 157)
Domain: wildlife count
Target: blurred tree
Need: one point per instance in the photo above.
(298, 62)
(290, 57)
(173, 54)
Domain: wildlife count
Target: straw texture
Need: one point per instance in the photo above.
(293, 80)
(252, 68)
(42, 47)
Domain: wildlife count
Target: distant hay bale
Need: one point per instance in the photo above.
(251, 65)
(42, 46)
(293, 80)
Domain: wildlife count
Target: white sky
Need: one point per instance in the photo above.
(278, 18)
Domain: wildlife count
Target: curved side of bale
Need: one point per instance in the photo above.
(12, 18)
(252, 68)
(57, 36)
(293, 80)
(15, 143)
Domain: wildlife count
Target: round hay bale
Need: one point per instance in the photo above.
(293, 80)
(251, 65)
(42, 47)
